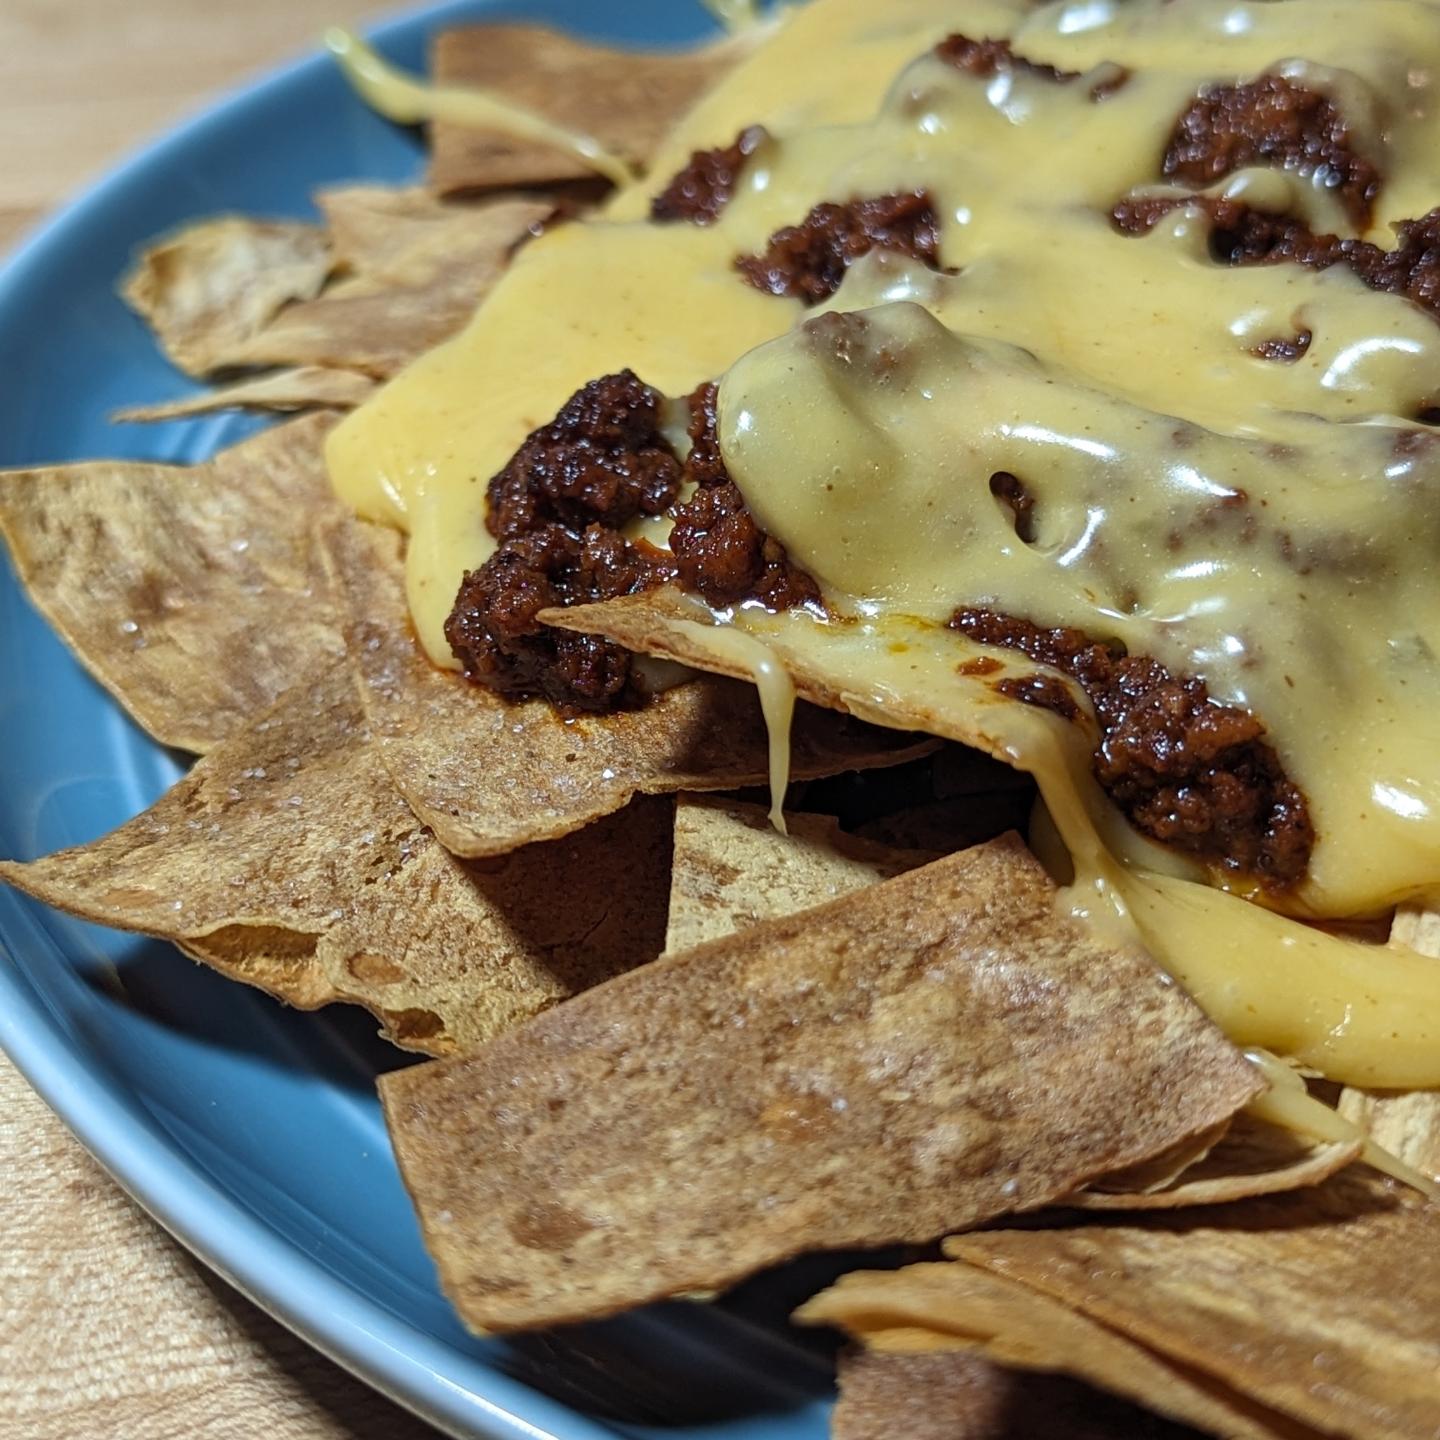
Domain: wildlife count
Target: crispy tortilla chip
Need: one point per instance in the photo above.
(818, 659)
(380, 319)
(959, 1395)
(209, 288)
(626, 99)
(1321, 1304)
(487, 775)
(948, 1309)
(732, 869)
(914, 1057)
(1252, 1158)
(488, 938)
(309, 387)
(1407, 1125)
(192, 593)
(286, 859)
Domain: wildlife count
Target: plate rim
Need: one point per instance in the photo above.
(354, 1331)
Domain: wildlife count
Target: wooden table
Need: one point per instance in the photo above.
(108, 1329)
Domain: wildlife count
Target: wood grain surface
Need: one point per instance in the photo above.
(107, 1327)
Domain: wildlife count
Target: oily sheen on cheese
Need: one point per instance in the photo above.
(1270, 527)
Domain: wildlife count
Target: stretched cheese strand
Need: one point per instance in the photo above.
(1290, 1105)
(409, 101)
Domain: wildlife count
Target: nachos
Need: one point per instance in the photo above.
(965, 425)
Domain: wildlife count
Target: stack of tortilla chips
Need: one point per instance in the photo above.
(727, 1047)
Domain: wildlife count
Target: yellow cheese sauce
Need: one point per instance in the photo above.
(1269, 526)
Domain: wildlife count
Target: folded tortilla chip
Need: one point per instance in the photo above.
(286, 859)
(912, 1058)
(411, 269)
(488, 774)
(733, 869)
(308, 387)
(626, 99)
(959, 1395)
(1251, 1158)
(1407, 1125)
(191, 592)
(378, 319)
(209, 288)
(954, 1309)
(1322, 1304)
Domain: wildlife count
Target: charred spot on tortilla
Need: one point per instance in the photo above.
(807, 261)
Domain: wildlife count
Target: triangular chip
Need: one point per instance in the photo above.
(1322, 1304)
(733, 869)
(309, 387)
(191, 592)
(915, 1057)
(286, 859)
(626, 99)
(209, 288)
(487, 774)
(959, 1395)
(940, 1309)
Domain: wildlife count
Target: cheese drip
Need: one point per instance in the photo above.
(1289, 1105)
(401, 97)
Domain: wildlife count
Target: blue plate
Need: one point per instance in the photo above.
(250, 1131)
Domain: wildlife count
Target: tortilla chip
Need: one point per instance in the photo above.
(1321, 1304)
(821, 661)
(732, 869)
(309, 387)
(626, 99)
(1407, 1125)
(940, 1309)
(958, 1395)
(1252, 1158)
(191, 593)
(914, 1057)
(209, 288)
(380, 319)
(488, 775)
(477, 947)
(286, 859)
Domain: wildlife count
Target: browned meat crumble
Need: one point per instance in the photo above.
(1240, 235)
(557, 508)
(1186, 771)
(720, 552)
(699, 192)
(809, 260)
(1271, 121)
(986, 58)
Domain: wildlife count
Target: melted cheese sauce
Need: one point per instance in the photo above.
(1268, 526)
